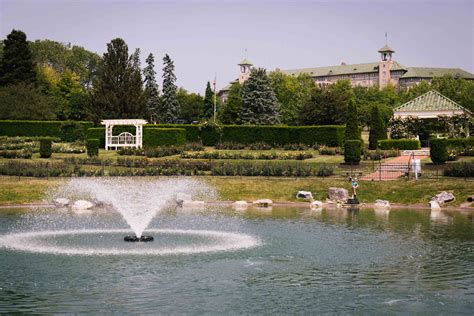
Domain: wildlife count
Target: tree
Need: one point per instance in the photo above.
(292, 93)
(328, 105)
(17, 65)
(170, 107)
(259, 103)
(190, 105)
(208, 112)
(378, 131)
(118, 91)
(24, 102)
(152, 95)
(230, 111)
(352, 125)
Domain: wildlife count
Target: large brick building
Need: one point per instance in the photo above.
(385, 71)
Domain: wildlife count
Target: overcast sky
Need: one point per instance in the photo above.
(205, 38)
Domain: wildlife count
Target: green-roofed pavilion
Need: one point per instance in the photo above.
(430, 105)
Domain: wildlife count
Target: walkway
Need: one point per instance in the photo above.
(391, 169)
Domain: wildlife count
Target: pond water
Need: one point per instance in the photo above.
(285, 260)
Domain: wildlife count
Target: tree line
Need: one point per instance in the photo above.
(45, 80)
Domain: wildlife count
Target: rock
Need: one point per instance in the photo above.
(435, 206)
(240, 205)
(382, 204)
(304, 195)
(82, 205)
(338, 194)
(316, 204)
(194, 204)
(181, 197)
(263, 202)
(61, 202)
(443, 197)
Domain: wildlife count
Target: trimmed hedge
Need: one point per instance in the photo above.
(352, 151)
(46, 147)
(330, 135)
(154, 137)
(92, 146)
(439, 147)
(68, 131)
(401, 144)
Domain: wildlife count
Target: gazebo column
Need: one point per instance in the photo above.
(108, 136)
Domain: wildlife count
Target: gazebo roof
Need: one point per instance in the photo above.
(124, 122)
(429, 102)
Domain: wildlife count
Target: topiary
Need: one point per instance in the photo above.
(378, 131)
(46, 147)
(92, 146)
(352, 151)
(439, 150)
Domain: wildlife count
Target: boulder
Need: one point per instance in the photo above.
(338, 194)
(240, 205)
(382, 204)
(435, 206)
(81, 205)
(304, 195)
(194, 204)
(316, 204)
(263, 202)
(61, 202)
(443, 197)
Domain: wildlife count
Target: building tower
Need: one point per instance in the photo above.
(245, 66)
(385, 65)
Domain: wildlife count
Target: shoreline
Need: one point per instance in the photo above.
(284, 204)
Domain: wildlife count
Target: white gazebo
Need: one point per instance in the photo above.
(124, 139)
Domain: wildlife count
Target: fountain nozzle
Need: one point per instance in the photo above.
(138, 239)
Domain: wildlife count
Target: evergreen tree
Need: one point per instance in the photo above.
(169, 106)
(259, 103)
(230, 110)
(208, 103)
(118, 89)
(378, 130)
(16, 65)
(352, 125)
(152, 95)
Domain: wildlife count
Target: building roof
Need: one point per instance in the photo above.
(429, 102)
(386, 49)
(245, 62)
(423, 72)
(342, 69)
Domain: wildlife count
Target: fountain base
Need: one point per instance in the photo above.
(136, 239)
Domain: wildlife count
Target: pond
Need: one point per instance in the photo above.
(283, 260)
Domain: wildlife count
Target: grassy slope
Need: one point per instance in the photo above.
(25, 190)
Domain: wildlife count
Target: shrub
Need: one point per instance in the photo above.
(92, 146)
(12, 154)
(230, 146)
(194, 146)
(163, 151)
(401, 144)
(68, 148)
(464, 170)
(131, 151)
(329, 151)
(260, 146)
(45, 148)
(154, 137)
(325, 171)
(380, 154)
(64, 130)
(352, 151)
(438, 151)
(299, 146)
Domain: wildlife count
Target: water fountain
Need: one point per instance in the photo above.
(138, 201)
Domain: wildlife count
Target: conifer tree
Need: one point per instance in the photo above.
(118, 88)
(17, 64)
(169, 107)
(378, 131)
(208, 102)
(259, 103)
(352, 125)
(152, 95)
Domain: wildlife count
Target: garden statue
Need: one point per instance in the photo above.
(354, 185)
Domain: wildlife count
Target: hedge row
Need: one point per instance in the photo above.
(67, 131)
(401, 144)
(154, 137)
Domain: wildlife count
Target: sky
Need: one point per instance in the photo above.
(207, 39)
